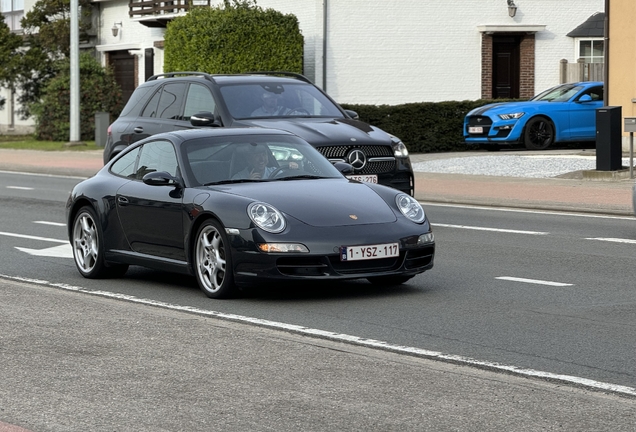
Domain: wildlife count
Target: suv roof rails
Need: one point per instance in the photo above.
(283, 73)
(179, 73)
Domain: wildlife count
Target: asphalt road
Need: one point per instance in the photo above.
(548, 292)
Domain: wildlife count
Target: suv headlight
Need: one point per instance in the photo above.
(266, 217)
(399, 149)
(511, 116)
(410, 207)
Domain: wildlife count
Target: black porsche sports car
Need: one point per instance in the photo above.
(241, 206)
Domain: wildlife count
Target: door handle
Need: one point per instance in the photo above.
(122, 200)
(138, 129)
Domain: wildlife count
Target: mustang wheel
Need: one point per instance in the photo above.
(88, 248)
(539, 134)
(212, 261)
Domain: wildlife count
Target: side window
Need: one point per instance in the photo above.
(151, 109)
(596, 93)
(171, 101)
(125, 166)
(198, 99)
(157, 156)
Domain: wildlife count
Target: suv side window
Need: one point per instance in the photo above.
(157, 156)
(198, 99)
(166, 103)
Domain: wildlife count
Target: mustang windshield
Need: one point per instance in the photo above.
(268, 100)
(236, 159)
(560, 93)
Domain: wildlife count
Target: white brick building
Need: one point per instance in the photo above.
(389, 51)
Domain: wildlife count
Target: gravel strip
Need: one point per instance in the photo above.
(511, 165)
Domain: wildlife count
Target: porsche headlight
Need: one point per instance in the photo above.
(399, 149)
(410, 208)
(266, 217)
(511, 116)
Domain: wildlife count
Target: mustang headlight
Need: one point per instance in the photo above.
(410, 208)
(266, 217)
(511, 116)
(399, 149)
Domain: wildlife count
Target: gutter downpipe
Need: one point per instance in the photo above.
(324, 45)
(606, 54)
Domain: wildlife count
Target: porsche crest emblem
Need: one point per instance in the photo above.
(354, 217)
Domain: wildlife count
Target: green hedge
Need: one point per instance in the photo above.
(426, 127)
(234, 39)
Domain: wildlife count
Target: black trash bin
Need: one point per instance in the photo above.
(608, 138)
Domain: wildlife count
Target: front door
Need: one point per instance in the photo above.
(506, 67)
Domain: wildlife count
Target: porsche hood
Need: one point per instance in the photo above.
(325, 203)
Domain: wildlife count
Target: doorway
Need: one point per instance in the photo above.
(505, 67)
(123, 65)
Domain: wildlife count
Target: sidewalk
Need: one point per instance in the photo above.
(559, 194)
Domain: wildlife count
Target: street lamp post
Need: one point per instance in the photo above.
(75, 81)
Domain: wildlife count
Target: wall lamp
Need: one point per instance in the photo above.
(115, 28)
(512, 8)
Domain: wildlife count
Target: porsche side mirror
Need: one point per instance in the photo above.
(344, 167)
(205, 118)
(354, 115)
(160, 178)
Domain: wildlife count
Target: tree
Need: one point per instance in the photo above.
(98, 92)
(234, 38)
(10, 44)
(47, 33)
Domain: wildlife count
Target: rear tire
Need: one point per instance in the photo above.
(213, 261)
(539, 134)
(88, 247)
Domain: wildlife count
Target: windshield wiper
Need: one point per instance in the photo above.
(221, 182)
(301, 177)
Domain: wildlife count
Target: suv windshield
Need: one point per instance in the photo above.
(265, 100)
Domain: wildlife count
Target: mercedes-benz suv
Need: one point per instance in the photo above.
(281, 100)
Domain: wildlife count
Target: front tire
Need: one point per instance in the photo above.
(213, 261)
(539, 134)
(88, 247)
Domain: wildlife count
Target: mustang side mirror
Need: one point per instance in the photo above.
(344, 167)
(205, 118)
(585, 98)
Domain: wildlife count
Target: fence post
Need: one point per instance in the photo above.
(563, 71)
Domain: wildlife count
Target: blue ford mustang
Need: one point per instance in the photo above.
(563, 113)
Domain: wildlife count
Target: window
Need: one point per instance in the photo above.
(13, 11)
(125, 166)
(157, 156)
(591, 50)
(198, 99)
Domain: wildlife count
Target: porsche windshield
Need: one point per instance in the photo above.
(237, 159)
(560, 93)
(268, 100)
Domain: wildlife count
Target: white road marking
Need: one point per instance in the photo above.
(614, 240)
(42, 175)
(533, 281)
(488, 229)
(353, 340)
(61, 251)
(514, 210)
(30, 237)
(19, 187)
(50, 223)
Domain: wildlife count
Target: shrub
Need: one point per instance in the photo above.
(233, 39)
(98, 92)
(426, 127)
